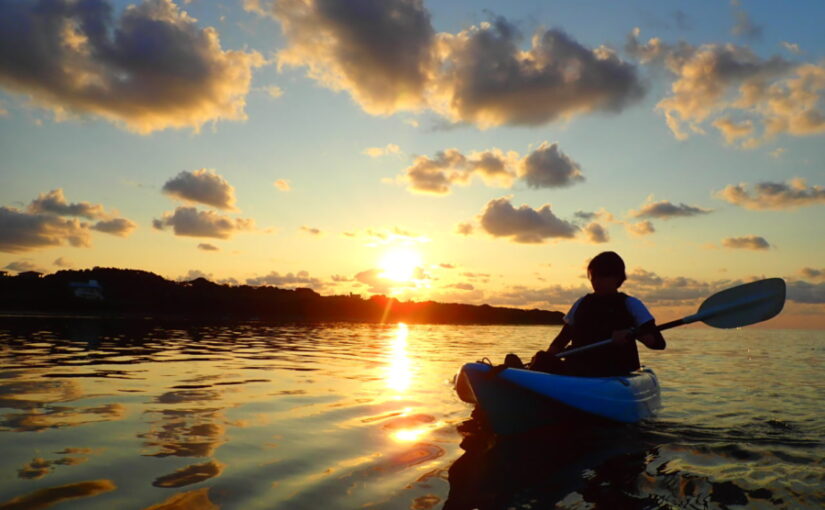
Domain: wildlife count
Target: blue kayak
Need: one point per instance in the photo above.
(517, 399)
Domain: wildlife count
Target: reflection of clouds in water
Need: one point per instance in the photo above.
(49, 417)
(192, 500)
(40, 467)
(45, 498)
(177, 397)
(190, 474)
(185, 433)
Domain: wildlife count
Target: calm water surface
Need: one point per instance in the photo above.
(135, 415)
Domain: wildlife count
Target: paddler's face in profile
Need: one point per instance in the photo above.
(604, 284)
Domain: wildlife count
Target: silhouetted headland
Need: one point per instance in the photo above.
(111, 291)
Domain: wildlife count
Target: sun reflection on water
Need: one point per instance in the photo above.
(398, 371)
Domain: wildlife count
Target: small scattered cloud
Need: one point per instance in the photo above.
(792, 47)
(54, 202)
(288, 280)
(743, 26)
(377, 152)
(806, 292)
(750, 242)
(274, 91)
(665, 210)
(461, 286)
(733, 131)
(640, 228)
(120, 227)
(207, 247)
(777, 153)
(189, 221)
(202, 186)
(311, 230)
(152, 68)
(813, 274)
(524, 224)
(464, 229)
(545, 167)
(595, 233)
(282, 184)
(21, 266)
(773, 195)
(383, 236)
(375, 283)
(194, 274)
(62, 262)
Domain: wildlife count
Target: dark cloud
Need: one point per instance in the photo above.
(22, 231)
(665, 210)
(207, 247)
(288, 280)
(21, 266)
(746, 243)
(188, 221)
(464, 228)
(595, 233)
(202, 186)
(548, 167)
(743, 26)
(486, 77)
(54, 202)
(381, 52)
(120, 227)
(813, 274)
(525, 224)
(804, 292)
(152, 68)
(774, 195)
(389, 58)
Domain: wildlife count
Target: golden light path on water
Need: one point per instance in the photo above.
(399, 376)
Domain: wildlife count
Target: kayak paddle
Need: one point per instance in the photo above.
(731, 308)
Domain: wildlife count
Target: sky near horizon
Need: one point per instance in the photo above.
(475, 152)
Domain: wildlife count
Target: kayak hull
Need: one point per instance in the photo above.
(515, 399)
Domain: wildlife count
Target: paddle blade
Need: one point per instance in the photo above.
(743, 305)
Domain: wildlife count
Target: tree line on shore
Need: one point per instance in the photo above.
(130, 291)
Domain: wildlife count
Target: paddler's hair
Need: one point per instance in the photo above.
(607, 263)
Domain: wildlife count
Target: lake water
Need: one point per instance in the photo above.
(105, 414)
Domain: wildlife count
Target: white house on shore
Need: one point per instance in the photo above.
(91, 290)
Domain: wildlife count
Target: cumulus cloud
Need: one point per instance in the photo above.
(548, 167)
(773, 195)
(202, 186)
(388, 57)
(22, 231)
(62, 262)
(21, 266)
(188, 221)
(813, 274)
(54, 202)
(792, 47)
(525, 224)
(464, 228)
(721, 81)
(805, 292)
(665, 210)
(640, 228)
(207, 247)
(545, 167)
(288, 280)
(152, 68)
(120, 227)
(750, 242)
(732, 130)
(595, 233)
(374, 281)
(282, 184)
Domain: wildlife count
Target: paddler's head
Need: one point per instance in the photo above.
(606, 272)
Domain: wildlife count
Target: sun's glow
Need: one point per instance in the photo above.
(399, 264)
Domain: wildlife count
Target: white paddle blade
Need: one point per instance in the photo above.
(743, 305)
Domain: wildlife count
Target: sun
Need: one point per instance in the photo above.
(399, 264)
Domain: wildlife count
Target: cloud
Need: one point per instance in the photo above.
(813, 274)
(289, 280)
(665, 210)
(464, 228)
(543, 297)
(282, 184)
(792, 47)
(773, 195)
(207, 247)
(595, 233)
(374, 281)
(152, 68)
(202, 186)
(62, 262)
(21, 266)
(274, 91)
(54, 202)
(732, 130)
(383, 236)
(311, 230)
(548, 167)
(719, 81)
(188, 221)
(21, 231)
(389, 58)
(194, 274)
(804, 292)
(524, 225)
(640, 228)
(750, 242)
(486, 77)
(545, 167)
(120, 227)
(376, 152)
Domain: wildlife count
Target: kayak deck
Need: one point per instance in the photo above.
(518, 399)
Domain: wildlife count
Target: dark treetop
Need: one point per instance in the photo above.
(128, 291)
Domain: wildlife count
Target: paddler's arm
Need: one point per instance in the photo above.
(647, 333)
(562, 339)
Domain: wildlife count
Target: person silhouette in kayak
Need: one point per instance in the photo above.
(605, 313)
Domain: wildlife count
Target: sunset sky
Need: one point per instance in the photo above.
(475, 152)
